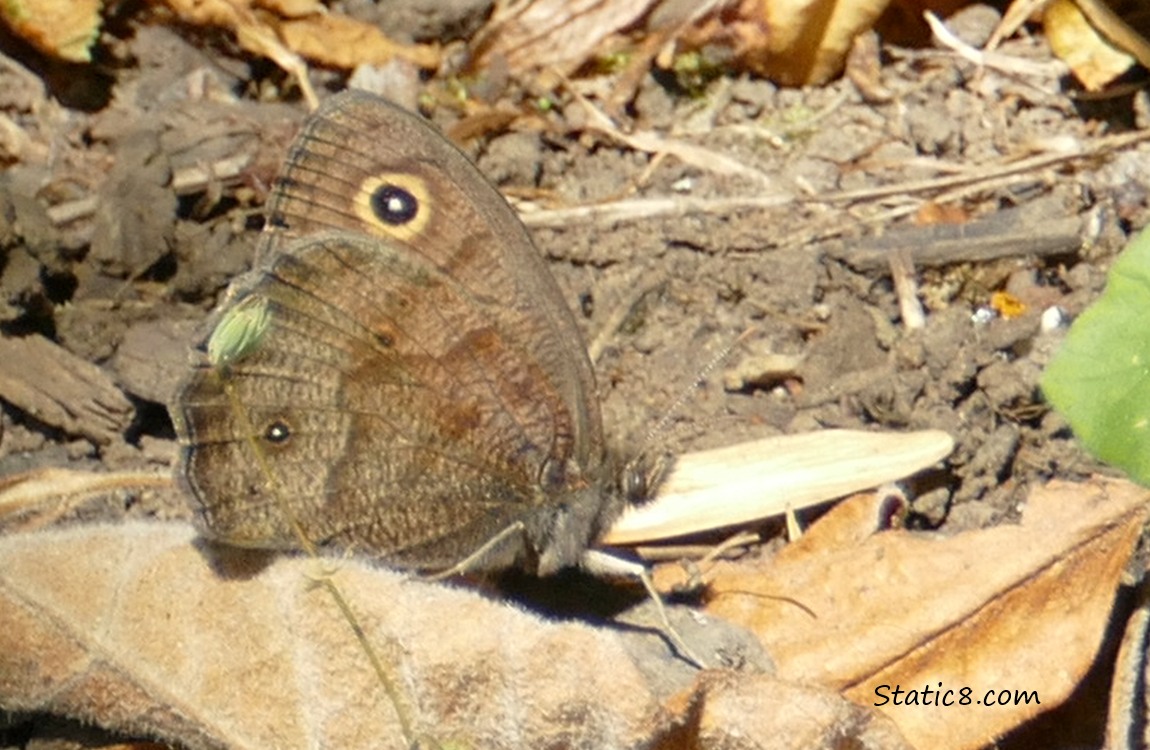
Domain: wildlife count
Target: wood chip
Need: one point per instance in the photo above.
(58, 388)
(1006, 234)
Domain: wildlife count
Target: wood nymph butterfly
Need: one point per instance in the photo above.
(399, 374)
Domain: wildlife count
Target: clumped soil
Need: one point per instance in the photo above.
(709, 322)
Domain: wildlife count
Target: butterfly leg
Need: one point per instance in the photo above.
(605, 565)
(475, 561)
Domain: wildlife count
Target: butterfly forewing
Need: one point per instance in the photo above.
(354, 146)
(399, 373)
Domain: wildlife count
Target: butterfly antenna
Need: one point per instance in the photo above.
(686, 394)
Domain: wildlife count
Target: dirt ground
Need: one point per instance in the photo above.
(118, 234)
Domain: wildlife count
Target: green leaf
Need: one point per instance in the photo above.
(1100, 379)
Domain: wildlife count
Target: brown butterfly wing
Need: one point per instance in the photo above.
(357, 142)
(418, 385)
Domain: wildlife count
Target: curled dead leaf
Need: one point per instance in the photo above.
(342, 42)
(792, 43)
(1096, 57)
(304, 30)
(984, 610)
(552, 33)
(138, 628)
(61, 28)
(796, 44)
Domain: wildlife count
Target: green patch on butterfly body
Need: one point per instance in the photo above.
(239, 332)
(1100, 379)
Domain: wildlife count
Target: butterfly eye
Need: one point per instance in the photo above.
(643, 475)
(277, 433)
(394, 205)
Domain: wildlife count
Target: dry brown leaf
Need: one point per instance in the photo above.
(342, 42)
(325, 37)
(758, 712)
(1018, 608)
(795, 43)
(1129, 709)
(292, 8)
(1093, 59)
(131, 627)
(62, 28)
(252, 32)
(553, 33)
